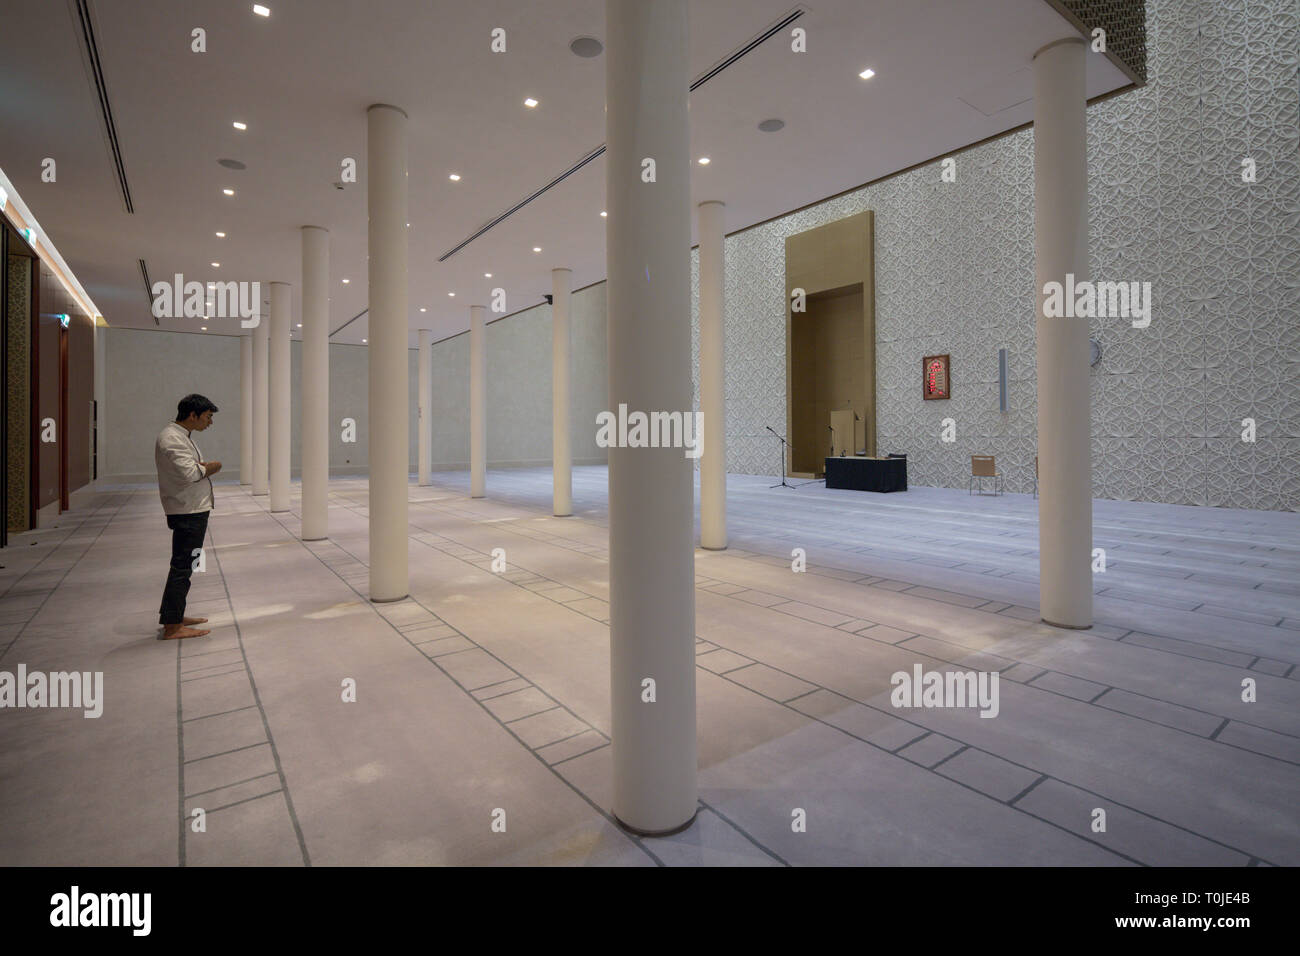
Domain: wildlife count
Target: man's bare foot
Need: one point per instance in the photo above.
(194, 620)
(175, 632)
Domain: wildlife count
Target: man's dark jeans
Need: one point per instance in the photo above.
(188, 532)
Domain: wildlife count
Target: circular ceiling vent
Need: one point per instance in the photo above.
(771, 125)
(586, 47)
(231, 164)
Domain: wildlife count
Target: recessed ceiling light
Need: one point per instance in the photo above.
(408, 225)
(867, 73)
(603, 213)
(203, 328)
(216, 265)
(537, 248)
(346, 281)
(363, 341)
(586, 47)
(454, 177)
(704, 160)
(260, 10)
(228, 192)
(423, 309)
(299, 325)
(239, 125)
(771, 125)
(231, 164)
(530, 102)
(221, 235)
(487, 275)
(452, 294)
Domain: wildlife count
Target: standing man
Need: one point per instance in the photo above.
(185, 486)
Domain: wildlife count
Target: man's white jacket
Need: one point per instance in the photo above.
(182, 485)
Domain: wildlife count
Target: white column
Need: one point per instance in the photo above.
(315, 382)
(246, 409)
(477, 403)
(390, 443)
(713, 408)
(425, 405)
(261, 409)
(1064, 422)
(651, 490)
(280, 405)
(561, 448)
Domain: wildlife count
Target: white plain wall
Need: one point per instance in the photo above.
(519, 387)
(148, 371)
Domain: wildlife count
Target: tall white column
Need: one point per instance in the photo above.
(713, 408)
(651, 490)
(425, 405)
(246, 409)
(390, 443)
(1064, 421)
(561, 448)
(477, 403)
(261, 407)
(315, 382)
(280, 396)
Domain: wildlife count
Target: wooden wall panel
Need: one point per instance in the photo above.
(72, 432)
(47, 404)
(18, 397)
(81, 392)
(831, 264)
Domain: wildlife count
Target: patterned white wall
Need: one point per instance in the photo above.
(955, 274)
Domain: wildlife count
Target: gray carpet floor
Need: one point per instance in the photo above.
(485, 696)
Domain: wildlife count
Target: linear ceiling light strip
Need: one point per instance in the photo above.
(148, 289)
(106, 111)
(17, 212)
(350, 321)
(600, 151)
(748, 47)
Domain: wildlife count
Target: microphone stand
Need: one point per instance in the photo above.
(781, 472)
(784, 445)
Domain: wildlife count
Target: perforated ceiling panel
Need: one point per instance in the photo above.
(1125, 23)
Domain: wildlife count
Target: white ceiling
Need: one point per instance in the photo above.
(948, 73)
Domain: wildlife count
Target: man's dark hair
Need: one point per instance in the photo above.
(193, 405)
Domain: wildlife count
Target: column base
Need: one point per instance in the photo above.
(1071, 627)
(707, 547)
(383, 600)
(323, 537)
(656, 833)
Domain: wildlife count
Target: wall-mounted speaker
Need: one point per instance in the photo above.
(1002, 380)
